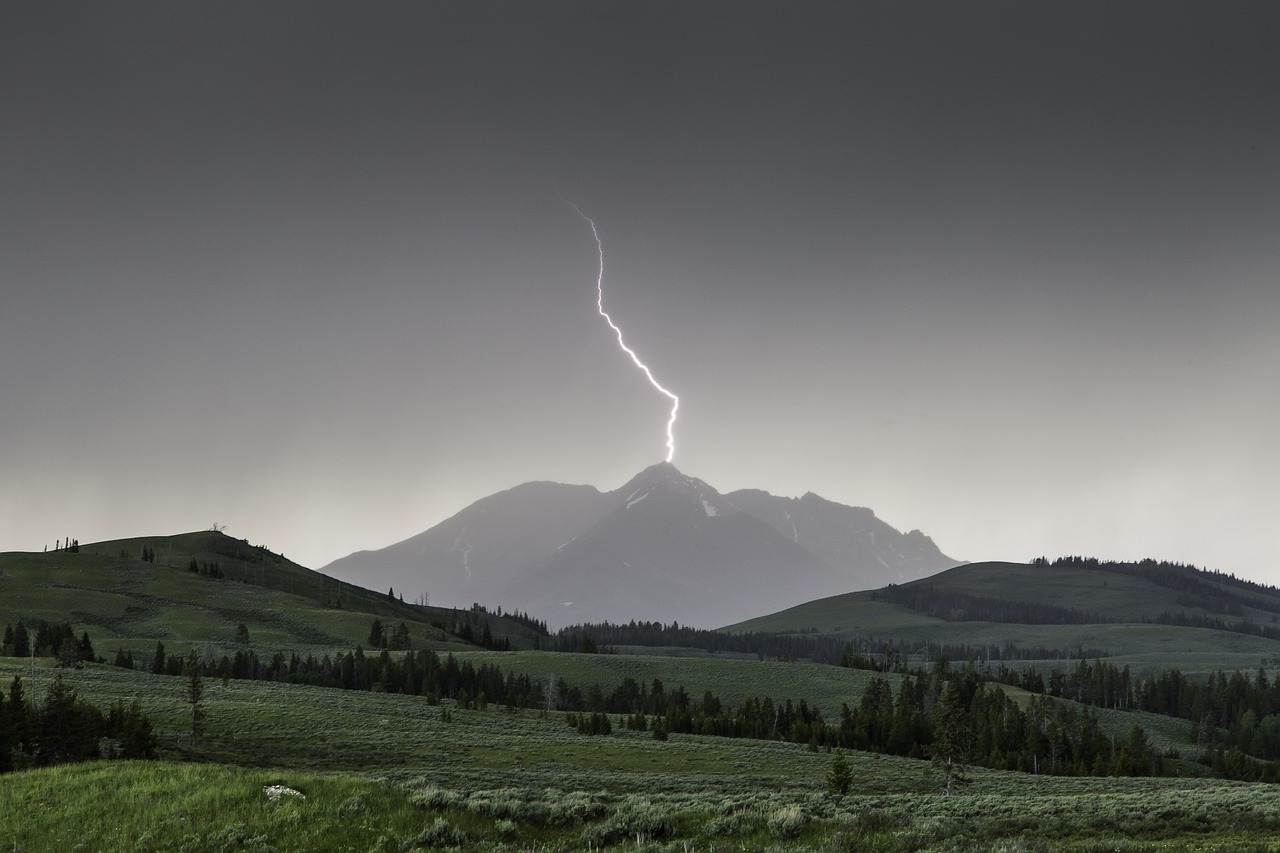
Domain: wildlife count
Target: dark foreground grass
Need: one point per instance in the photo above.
(169, 806)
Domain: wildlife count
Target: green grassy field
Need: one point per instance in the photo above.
(393, 772)
(389, 772)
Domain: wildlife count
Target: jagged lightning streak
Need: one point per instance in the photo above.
(675, 401)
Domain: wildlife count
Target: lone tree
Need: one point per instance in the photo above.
(840, 777)
(950, 736)
(158, 660)
(195, 691)
(377, 635)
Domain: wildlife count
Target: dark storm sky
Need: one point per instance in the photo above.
(1005, 272)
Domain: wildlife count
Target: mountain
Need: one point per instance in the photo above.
(848, 537)
(662, 547)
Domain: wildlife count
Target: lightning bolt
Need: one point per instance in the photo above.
(675, 401)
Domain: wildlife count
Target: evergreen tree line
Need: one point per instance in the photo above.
(868, 653)
(981, 726)
(537, 626)
(955, 717)
(52, 639)
(953, 606)
(465, 631)
(207, 570)
(1235, 720)
(1196, 620)
(473, 626)
(65, 728)
(956, 713)
(399, 639)
(1201, 587)
(1227, 713)
(1100, 684)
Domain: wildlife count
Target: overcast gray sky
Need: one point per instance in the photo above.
(1004, 272)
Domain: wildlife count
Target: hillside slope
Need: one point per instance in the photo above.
(108, 589)
(1163, 614)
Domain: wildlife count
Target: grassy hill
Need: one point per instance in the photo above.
(124, 601)
(1154, 617)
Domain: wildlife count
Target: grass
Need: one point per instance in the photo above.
(175, 806)
(148, 806)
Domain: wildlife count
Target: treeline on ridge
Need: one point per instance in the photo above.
(869, 653)
(952, 606)
(1197, 587)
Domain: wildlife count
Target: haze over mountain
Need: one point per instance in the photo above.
(664, 547)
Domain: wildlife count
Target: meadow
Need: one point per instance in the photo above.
(392, 772)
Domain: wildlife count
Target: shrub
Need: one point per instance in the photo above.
(786, 823)
(872, 821)
(737, 823)
(509, 804)
(431, 797)
(234, 836)
(440, 834)
(640, 820)
(575, 807)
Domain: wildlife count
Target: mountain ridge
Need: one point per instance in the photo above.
(662, 545)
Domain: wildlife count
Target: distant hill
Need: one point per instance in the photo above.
(1162, 612)
(133, 592)
(664, 546)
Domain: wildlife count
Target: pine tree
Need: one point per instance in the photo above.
(840, 777)
(157, 662)
(21, 641)
(950, 736)
(195, 691)
(133, 730)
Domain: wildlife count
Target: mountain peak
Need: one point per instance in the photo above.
(662, 469)
(665, 478)
(663, 472)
